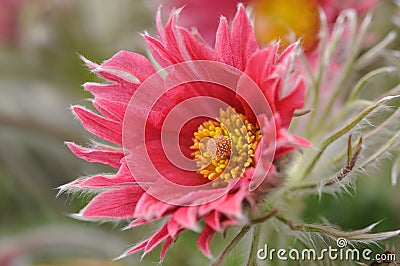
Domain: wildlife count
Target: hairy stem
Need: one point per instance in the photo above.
(252, 260)
(232, 244)
(343, 131)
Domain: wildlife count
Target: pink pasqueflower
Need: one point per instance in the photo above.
(273, 19)
(130, 193)
(9, 19)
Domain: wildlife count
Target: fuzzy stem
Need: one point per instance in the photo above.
(360, 235)
(264, 217)
(361, 83)
(325, 53)
(345, 110)
(252, 260)
(231, 245)
(370, 134)
(343, 131)
(350, 62)
(383, 149)
(342, 174)
(374, 51)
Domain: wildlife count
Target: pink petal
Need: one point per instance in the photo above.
(259, 69)
(111, 158)
(118, 203)
(134, 249)
(102, 127)
(204, 15)
(140, 221)
(173, 227)
(122, 178)
(203, 240)
(287, 52)
(159, 25)
(208, 207)
(165, 247)
(111, 109)
(195, 49)
(223, 43)
(187, 217)
(231, 222)
(91, 65)
(150, 208)
(172, 43)
(244, 42)
(112, 92)
(157, 238)
(299, 141)
(159, 52)
(232, 205)
(132, 63)
(213, 220)
(260, 63)
(294, 100)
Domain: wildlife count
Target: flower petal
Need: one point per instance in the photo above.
(244, 42)
(187, 217)
(195, 49)
(173, 227)
(294, 100)
(150, 208)
(119, 92)
(102, 127)
(122, 178)
(158, 51)
(111, 158)
(132, 63)
(214, 220)
(203, 240)
(138, 247)
(118, 203)
(112, 109)
(157, 238)
(223, 43)
(165, 247)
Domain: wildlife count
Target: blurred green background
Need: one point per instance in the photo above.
(41, 76)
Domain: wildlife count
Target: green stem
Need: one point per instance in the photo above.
(345, 110)
(264, 217)
(349, 64)
(252, 260)
(371, 133)
(343, 131)
(361, 83)
(231, 245)
(383, 149)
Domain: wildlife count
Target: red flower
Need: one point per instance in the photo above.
(273, 19)
(9, 19)
(235, 162)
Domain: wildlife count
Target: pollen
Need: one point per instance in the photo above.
(223, 148)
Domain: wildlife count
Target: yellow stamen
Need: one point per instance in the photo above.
(225, 147)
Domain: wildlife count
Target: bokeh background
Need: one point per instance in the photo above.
(41, 76)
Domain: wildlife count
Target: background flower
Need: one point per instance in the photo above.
(274, 20)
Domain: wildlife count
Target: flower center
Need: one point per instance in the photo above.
(279, 19)
(225, 147)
